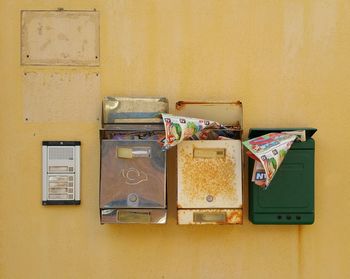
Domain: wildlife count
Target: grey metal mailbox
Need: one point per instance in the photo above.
(133, 166)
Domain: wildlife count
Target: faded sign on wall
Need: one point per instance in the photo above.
(61, 97)
(60, 38)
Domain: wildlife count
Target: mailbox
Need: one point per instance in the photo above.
(133, 166)
(289, 199)
(210, 171)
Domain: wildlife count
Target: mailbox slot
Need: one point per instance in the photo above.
(133, 216)
(124, 216)
(209, 153)
(209, 217)
(134, 152)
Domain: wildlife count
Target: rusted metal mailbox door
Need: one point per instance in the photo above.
(133, 166)
(210, 171)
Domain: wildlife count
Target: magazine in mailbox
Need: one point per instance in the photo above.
(268, 151)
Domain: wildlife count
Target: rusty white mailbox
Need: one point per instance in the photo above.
(133, 166)
(210, 171)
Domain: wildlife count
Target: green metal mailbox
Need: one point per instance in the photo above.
(289, 199)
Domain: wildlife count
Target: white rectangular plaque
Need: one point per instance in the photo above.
(61, 97)
(60, 38)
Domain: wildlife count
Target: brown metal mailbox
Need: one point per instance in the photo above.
(210, 171)
(133, 166)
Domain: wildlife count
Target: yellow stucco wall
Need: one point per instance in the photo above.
(287, 61)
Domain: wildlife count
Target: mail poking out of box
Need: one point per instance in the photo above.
(179, 128)
(289, 198)
(268, 151)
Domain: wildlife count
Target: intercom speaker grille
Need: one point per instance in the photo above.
(61, 153)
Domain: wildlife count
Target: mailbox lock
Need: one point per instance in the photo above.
(132, 198)
(210, 198)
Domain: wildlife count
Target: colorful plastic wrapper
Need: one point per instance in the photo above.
(216, 132)
(259, 174)
(269, 150)
(179, 128)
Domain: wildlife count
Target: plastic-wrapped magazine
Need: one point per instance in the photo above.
(269, 151)
(179, 128)
(259, 174)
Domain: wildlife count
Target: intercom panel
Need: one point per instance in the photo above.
(61, 172)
